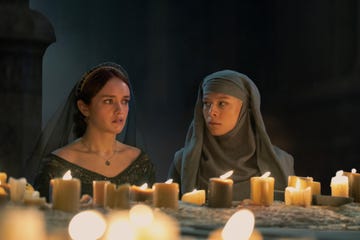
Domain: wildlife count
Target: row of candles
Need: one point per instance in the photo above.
(66, 191)
(66, 195)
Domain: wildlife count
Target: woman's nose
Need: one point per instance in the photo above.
(118, 107)
(212, 110)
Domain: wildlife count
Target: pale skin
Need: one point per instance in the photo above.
(221, 112)
(106, 117)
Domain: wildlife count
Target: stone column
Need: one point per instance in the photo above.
(24, 36)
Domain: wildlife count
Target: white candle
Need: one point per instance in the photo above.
(166, 194)
(17, 189)
(117, 197)
(196, 197)
(220, 191)
(262, 189)
(141, 222)
(340, 185)
(3, 196)
(297, 196)
(354, 184)
(99, 193)
(3, 178)
(66, 193)
(141, 193)
(32, 198)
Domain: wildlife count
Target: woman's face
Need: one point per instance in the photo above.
(221, 112)
(109, 108)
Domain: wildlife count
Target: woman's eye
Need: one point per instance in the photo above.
(108, 101)
(125, 102)
(222, 104)
(207, 104)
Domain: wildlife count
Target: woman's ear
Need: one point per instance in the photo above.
(83, 108)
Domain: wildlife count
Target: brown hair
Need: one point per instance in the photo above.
(90, 84)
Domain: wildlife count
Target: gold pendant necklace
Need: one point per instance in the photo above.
(107, 160)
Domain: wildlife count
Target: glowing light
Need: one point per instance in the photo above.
(121, 226)
(339, 173)
(87, 225)
(265, 175)
(169, 181)
(240, 226)
(141, 215)
(227, 175)
(353, 170)
(297, 185)
(144, 186)
(67, 175)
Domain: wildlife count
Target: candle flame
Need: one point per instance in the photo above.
(240, 226)
(353, 170)
(227, 175)
(265, 175)
(67, 175)
(144, 186)
(339, 173)
(169, 181)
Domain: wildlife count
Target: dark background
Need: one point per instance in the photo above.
(303, 56)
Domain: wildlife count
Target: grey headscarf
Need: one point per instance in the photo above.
(58, 131)
(246, 149)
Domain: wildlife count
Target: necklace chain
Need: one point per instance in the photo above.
(107, 160)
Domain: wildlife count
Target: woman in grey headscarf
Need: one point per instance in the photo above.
(228, 133)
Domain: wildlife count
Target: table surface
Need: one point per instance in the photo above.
(277, 221)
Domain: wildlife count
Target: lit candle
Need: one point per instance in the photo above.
(22, 223)
(117, 197)
(142, 193)
(262, 189)
(339, 185)
(195, 197)
(87, 225)
(151, 225)
(66, 193)
(32, 198)
(240, 226)
(141, 222)
(304, 182)
(300, 182)
(220, 191)
(354, 184)
(17, 189)
(120, 225)
(99, 193)
(297, 196)
(315, 188)
(3, 196)
(3, 178)
(166, 194)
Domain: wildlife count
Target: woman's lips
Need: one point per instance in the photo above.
(214, 123)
